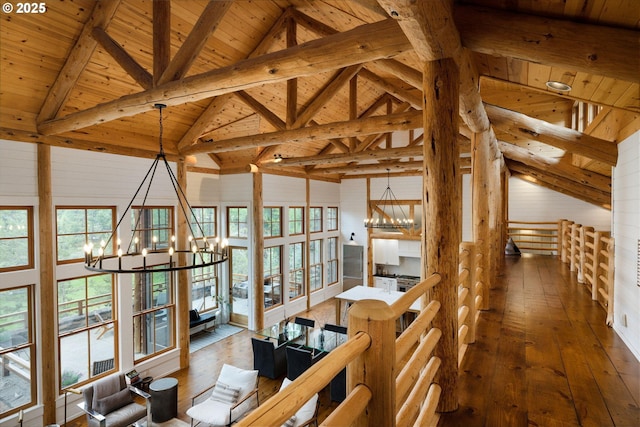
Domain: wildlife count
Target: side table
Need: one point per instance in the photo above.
(164, 399)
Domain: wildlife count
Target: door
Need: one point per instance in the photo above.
(240, 288)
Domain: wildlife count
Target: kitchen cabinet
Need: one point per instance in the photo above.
(409, 248)
(385, 251)
(386, 283)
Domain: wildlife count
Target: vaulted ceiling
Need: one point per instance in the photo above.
(332, 87)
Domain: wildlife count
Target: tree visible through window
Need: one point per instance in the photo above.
(315, 219)
(237, 225)
(272, 222)
(332, 261)
(76, 226)
(296, 221)
(332, 218)
(16, 238)
(272, 276)
(315, 265)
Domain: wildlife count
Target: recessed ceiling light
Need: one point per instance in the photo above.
(562, 87)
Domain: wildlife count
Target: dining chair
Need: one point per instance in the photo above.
(305, 322)
(299, 359)
(268, 359)
(335, 328)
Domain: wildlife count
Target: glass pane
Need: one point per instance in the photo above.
(71, 246)
(14, 252)
(15, 387)
(74, 357)
(99, 220)
(71, 221)
(71, 305)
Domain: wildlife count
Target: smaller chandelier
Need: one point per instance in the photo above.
(146, 252)
(395, 219)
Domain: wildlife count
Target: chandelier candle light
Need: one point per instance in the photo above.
(394, 221)
(204, 252)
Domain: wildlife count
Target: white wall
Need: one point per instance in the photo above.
(626, 231)
(530, 202)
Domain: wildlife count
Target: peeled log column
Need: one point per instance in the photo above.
(442, 212)
(480, 166)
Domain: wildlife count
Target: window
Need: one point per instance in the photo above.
(272, 276)
(16, 238)
(206, 218)
(153, 314)
(76, 226)
(315, 265)
(272, 224)
(86, 328)
(315, 220)
(332, 219)
(152, 227)
(296, 270)
(332, 263)
(204, 288)
(237, 222)
(18, 378)
(296, 221)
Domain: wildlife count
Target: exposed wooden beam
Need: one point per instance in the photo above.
(579, 191)
(323, 96)
(558, 168)
(317, 56)
(207, 23)
(261, 109)
(77, 59)
(161, 38)
(558, 136)
(202, 125)
(414, 99)
(594, 49)
(338, 158)
(368, 126)
(117, 52)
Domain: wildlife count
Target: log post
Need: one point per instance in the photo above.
(258, 252)
(480, 209)
(573, 240)
(184, 279)
(48, 292)
(559, 238)
(442, 232)
(376, 368)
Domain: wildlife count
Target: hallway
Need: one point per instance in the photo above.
(545, 357)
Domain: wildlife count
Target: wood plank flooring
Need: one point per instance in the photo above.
(543, 357)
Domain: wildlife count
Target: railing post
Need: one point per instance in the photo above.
(376, 368)
(582, 255)
(574, 247)
(559, 237)
(610, 276)
(597, 243)
(471, 299)
(566, 240)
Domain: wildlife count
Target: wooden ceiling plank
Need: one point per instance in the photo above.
(161, 38)
(77, 60)
(329, 53)
(596, 49)
(135, 70)
(562, 169)
(325, 94)
(262, 110)
(414, 99)
(557, 136)
(207, 23)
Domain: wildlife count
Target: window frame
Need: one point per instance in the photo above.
(29, 238)
(272, 274)
(30, 345)
(238, 223)
(300, 269)
(148, 232)
(92, 324)
(332, 220)
(315, 223)
(270, 225)
(315, 265)
(332, 261)
(214, 215)
(295, 221)
(108, 251)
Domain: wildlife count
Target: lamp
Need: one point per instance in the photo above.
(385, 220)
(559, 86)
(277, 158)
(142, 244)
(351, 238)
(66, 392)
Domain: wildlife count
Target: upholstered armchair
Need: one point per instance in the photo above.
(307, 414)
(233, 395)
(109, 403)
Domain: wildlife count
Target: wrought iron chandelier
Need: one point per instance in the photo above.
(147, 253)
(389, 220)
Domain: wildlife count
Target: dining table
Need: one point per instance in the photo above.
(317, 338)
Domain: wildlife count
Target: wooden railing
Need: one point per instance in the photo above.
(590, 254)
(535, 237)
(373, 355)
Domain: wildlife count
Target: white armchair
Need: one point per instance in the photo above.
(306, 415)
(233, 395)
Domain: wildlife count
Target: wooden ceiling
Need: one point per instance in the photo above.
(333, 87)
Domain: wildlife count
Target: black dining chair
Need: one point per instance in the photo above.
(305, 322)
(335, 328)
(299, 359)
(269, 360)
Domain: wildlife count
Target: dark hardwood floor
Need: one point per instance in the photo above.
(543, 357)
